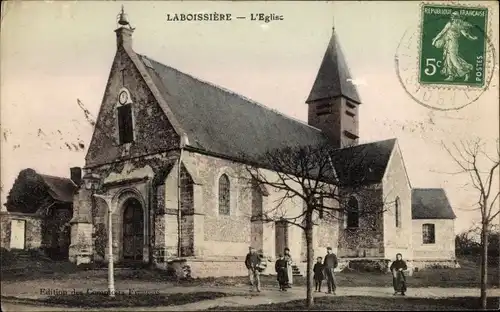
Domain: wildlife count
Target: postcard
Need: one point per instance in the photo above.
(249, 155)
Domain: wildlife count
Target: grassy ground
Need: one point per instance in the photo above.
(466, 276)
(353, 303)
(123, 300)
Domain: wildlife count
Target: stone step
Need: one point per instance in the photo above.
(26, 256)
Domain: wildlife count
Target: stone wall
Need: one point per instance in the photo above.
(217, 268)
(134, 178)
(151, 152)
(80, 250)
(33, 232)
(33, 229)
(334, 124)
(367, 239)
(326, 235)
(434, 264)
(224, 235)
(231, 235)
(56, 231)
(4, 230)
(397, 239)
(167, 218)
(153, 132)
(444, 246)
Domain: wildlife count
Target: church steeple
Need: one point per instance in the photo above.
(332, 78)
(334, 99)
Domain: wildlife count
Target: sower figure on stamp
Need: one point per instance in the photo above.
(398, 277)
(281, 272)
(252, 262)
(330, 263)
(289, 270)
(319, 275)
(454, 66)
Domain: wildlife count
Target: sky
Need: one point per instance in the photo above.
(55, 52)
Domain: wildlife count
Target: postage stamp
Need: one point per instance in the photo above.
(447, 61)
(453, 45)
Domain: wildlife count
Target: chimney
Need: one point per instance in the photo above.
(76, 175)
(124, 31)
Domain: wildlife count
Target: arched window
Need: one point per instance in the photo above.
(352, 213)
(125, 124)
(397, 212)
(224, 193)
(257, 202)
(319, 206)
(428, 233)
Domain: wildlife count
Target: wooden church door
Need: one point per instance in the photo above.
(133, 230)
(281, 237)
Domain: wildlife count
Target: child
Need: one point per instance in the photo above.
(318, 274)
(281, 267)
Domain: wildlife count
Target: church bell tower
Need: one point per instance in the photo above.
(334, 100)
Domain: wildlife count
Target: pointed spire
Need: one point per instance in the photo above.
(333, 78)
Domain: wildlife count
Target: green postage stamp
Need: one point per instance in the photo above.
(453, 45)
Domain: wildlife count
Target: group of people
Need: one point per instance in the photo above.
(323, 269)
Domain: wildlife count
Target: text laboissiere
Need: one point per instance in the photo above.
(222, 17)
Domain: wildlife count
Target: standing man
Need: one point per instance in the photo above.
(330, 263)
(252, 262)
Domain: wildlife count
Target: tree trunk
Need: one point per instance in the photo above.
(484, 265)
(310, 262)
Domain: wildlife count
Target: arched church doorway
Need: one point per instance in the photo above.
(133, 230)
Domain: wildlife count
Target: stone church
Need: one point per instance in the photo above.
(166, 150)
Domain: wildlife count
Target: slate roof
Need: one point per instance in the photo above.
(61, 189)
(225, 123)
(331, 80)
(430, 203)
(32, 191)
(363, 163)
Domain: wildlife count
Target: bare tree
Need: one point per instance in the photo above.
(482, 169)
(322, 179)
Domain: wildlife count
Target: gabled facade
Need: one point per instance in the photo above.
(39, 210)
(168, 150)
(433, 225)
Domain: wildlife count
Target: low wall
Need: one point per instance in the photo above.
(343, 263)
(421, 264)
(32, 233)
(217, 268)
(207, 267)
(356, 264)
(232, 267)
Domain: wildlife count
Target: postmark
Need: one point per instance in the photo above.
(447, 61)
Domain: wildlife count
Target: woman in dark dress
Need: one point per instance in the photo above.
(398, 277)
(281, 268)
